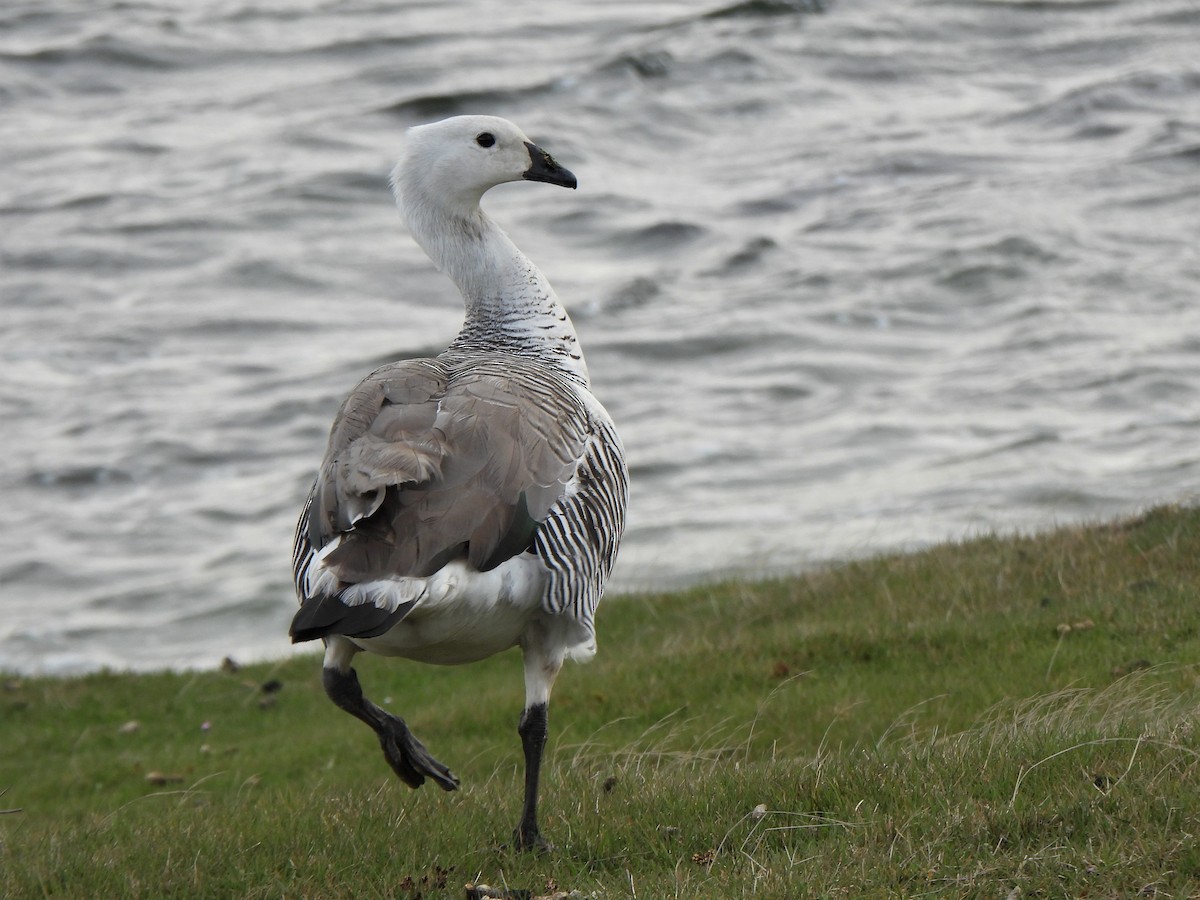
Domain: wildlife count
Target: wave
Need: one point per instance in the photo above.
(758, 9)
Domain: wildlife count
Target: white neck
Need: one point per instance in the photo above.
(510, 305)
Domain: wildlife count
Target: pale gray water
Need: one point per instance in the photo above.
(849, 278)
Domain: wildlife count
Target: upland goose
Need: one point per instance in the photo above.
(474, 501)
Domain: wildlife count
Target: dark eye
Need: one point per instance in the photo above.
(486, 139)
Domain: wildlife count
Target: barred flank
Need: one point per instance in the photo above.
(579, 540)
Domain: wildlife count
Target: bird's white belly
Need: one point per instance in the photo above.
(464, 615)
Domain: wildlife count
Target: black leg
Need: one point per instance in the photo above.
(532, 729)
(405, 754)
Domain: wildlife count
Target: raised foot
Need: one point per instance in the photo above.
(410, 760)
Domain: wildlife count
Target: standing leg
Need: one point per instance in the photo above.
(405, 754)
(540, 671)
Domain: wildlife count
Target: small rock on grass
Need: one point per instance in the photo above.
(1068, 627)
(157, 777)
(486, 892)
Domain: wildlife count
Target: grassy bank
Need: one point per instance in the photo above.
(999, 715)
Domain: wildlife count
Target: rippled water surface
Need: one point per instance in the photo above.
(850, 277)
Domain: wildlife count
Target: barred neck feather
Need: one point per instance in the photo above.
(510, 306)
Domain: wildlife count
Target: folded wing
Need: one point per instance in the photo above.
(430, 461)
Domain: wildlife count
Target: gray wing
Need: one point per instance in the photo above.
(429, 462)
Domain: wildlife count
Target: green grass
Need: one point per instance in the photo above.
(999, 717)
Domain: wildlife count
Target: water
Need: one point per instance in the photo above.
(850, 277)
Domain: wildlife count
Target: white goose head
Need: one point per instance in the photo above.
(452, 163)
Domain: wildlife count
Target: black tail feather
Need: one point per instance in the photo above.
(320, 617)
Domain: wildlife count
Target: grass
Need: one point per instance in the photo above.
(1000, 717)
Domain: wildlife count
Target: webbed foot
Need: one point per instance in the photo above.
(408, 757)
(530, 840)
